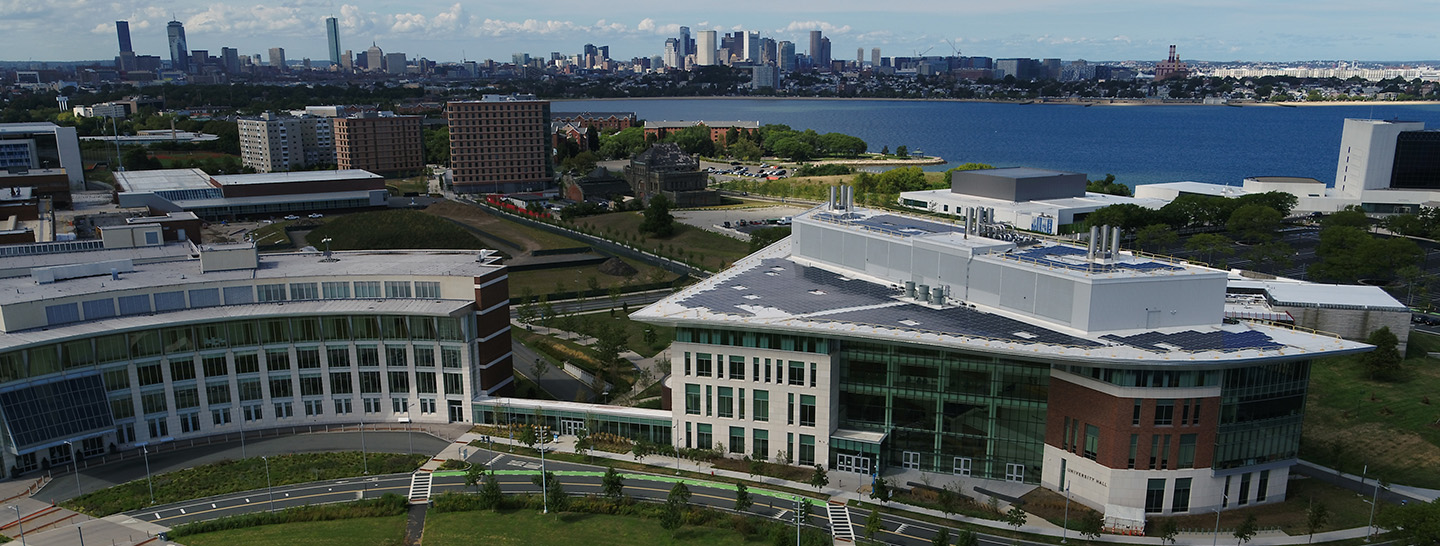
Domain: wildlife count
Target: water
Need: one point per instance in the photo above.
(1138, 144)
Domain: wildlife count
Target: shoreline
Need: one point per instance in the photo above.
(1038, 102)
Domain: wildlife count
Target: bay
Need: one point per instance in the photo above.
(1138, 144)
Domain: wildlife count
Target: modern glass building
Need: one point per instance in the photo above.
(141, 342)
(875, 342)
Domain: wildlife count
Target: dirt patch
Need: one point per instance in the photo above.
(527, 238)
(618, 268)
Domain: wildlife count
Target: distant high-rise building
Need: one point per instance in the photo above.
(875, 57)
(230, 58)
(122, 31)
(179, 52)
(374, 58)
(823, 61)
(859, 55)
(332, 37)
(672, 53)
(1052, 68)
(705, 48)
(785, 59)
(395, 63)
(764, 76)
(752, 47)
(687, 45)
(277, 58)
(382, 143)
(500, 144)
(815, 48)
(1172, 67)
(347, 61)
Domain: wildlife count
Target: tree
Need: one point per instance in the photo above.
(672, 515)
(527, 310)
(1317, 516)
(490, 494)
(742, 498)
(641, 449)
(902, 151)
(1210, 244)
(880, 491)
(1108, 186)
(1246, 530)
(967, 537)
(950, 499)
(764, 237)
(1254, 223)
(474, 474)
(528, 436)
(1384, 361)
(1168, 529)
(558, 499)
(873, 524)
(942, 538)
(819, 478)
(1015, 517)
(658, 220)
(612, 484)
(1275, 254)
(1155, 237)
(1414, 523)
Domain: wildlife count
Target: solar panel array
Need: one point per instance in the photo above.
(1190, 340)
(786, 286)
(890, 224)
(960, 321)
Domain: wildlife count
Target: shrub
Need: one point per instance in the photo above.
(388, 505)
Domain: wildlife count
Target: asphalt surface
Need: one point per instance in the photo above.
(652, 487)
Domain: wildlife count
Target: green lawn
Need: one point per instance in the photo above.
(526, 237)
(548, 281)
(712, 251)
(1352, 421)
(350, 532)
(528, 527)
(589, 324)
(392, 229)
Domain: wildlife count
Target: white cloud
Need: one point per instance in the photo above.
(646, 25)
(822, 26)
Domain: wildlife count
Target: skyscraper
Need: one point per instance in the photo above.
(122, 29)
(752, 47)
(673, 59)
(374, 58)
(277, 58)
(875, 57)
(815, 46)
(332, 35)
(231, 59)
(705, 48)
(786, 58)
(179, 53)
(687, 46)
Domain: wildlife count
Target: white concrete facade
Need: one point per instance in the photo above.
(1367, 155)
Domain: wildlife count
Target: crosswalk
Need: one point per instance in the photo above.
(420, 487)
(840, 526)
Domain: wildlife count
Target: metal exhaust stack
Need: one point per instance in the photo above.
(1090, 252)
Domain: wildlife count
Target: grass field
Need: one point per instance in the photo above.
(169, 158)
(351, 532)
(1392, 426)
(546, 281)
(527, 527)
(712, 251)
(634, 331)
(526, 237)
(392, 229)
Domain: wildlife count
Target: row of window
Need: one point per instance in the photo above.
(139, 304)
(1161, 446)
(723, 402)
(759, 340)
(187, 395)
(159, 426)
(703, 437)
(1165, 413)
(761, 369)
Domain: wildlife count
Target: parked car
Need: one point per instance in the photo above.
(291, 217)
(318, 215)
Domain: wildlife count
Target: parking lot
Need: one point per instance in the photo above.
(755, 218)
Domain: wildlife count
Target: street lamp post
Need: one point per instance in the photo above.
(1065, 531)
(1216, 540)
(75, 462)
(146, 451)
(544, 481)
(19, 524)
(364, 460)
(268, 491)
(675, 441)
(1374, 500)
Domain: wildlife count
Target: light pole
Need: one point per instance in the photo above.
(19, 524)
(118, 162)
(1374, 500)
(1216, 540)
(146, 450)
(364, 461)
(268, 491)
(1065, 531)
(675, 441)
(798, 519)
(75, 463)
(242, 434)
(544, 480)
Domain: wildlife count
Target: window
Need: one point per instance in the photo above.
(284, 410)
(703, 439)
(1164, 412)
(214, 365)
(1186, 457)
(737, 367)
(277, 360)
(807, 450)
(395, 356)
(399, 382)
(740, 404)
(189, 422)
(1262, 486)
(1155, 496)
(184, 370)
(1225, 497)
(367, 289)
(687, 363)
(1135, 415)
(250, 390)
(1165, 452)
(1134, 447)
(217, 393)
(307, 358)
(726, 402)
(425, 382)
(372, 405)
(1092, 441)
(454, 383)
(370, 382)
(427, 405)
(311, 385)
(450, 357)
(427, 289)
(1180, 500)
(399, 405)
(797, 373)
(368, 357)
(159, 427)
(335, 328)
(335, 290)
(340, 383)
(708, 400)
(1065, 439)
(154, 402)
(702, 365)
(397, 289)
(1244, 489)
(425, 357)
(767, 370)
(1154, 450)
(790, 409)
(737, 440)
(268, 292)
(762, 406)
(338, 357)
(253, 412)
(186, 398)
(247, 362)
(304, 291)
(343, 406)
(1185, 413)
(812, 374)
(281, 388)
(314, 407)
(220, 416)
(122, 407)
(807, 410)
(755, 370)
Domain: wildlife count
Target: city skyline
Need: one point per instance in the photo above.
(445, 31)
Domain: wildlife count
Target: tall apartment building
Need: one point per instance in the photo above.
(275, 143)
(379, 142)
(500, 144)
(141, 342)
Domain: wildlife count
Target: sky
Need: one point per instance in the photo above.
(443, 30)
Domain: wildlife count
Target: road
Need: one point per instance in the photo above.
(515, 478)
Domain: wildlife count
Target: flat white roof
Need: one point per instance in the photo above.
(298, 176)
(1202, 188)
(27, 127)
(163, 180)
(1304, 294)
